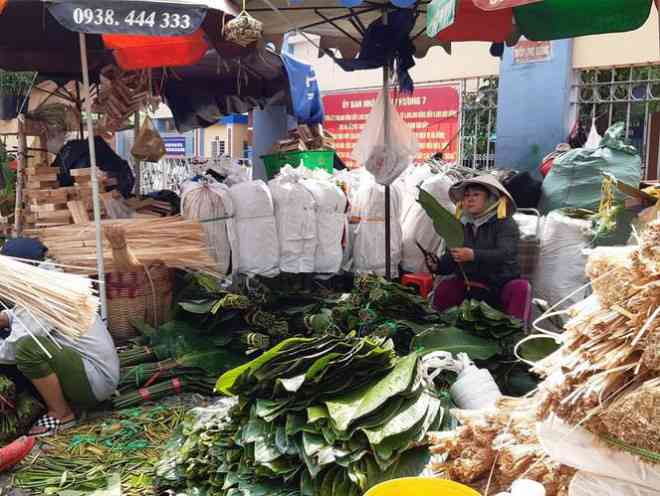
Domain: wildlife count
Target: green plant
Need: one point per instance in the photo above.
(16, 83)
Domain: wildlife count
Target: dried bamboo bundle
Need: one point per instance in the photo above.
(175, 242)
(633, 417)
(66, 302)
(610, 272)
(611, 350)
(498, 444)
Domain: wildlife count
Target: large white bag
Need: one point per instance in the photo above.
(295, 213)
(331, 224)
(258, 246)
(210, 201)
(580, 449)
(587, 484)
(368, 218)
(418, 226)
(408, 182)
(385, 161)
(560, 270)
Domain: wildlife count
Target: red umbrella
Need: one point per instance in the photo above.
(475, 24)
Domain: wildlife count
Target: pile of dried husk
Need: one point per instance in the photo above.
(605, 377)
(492, 448)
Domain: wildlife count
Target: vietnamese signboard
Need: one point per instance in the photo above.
(432, 112)
(175, 146)
(527, 52)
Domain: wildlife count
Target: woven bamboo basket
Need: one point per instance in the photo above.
(139, 295)
(135, 292)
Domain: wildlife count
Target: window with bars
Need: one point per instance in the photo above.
(218, 148)
(478, 122)
(623, 94)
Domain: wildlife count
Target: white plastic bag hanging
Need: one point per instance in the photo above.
(593, 141)
(386, 161)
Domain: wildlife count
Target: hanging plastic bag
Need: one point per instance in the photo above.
(593, 141)
(148, 146)
(386, 160)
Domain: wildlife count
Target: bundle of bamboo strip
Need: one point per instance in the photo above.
(177, 243)
(66, 302)
(611, 346)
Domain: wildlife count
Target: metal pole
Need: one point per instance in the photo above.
(386, 142)
(20, 175)
(95, 181)
(138, 164)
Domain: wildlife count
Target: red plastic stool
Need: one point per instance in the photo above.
(421, 280)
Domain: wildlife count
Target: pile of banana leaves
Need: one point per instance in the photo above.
(316, 416)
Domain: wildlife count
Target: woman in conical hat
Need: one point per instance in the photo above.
(486, 268)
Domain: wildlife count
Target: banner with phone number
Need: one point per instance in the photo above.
(127, 17)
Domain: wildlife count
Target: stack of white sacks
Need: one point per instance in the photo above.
(304, 222)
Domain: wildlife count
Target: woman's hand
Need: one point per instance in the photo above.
(462, 255)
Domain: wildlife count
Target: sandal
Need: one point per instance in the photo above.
(51, 426)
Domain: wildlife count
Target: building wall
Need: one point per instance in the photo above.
(239, 134)
(533, 107)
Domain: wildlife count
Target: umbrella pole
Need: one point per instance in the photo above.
(386, 142)
(95, 182)
(386, 134)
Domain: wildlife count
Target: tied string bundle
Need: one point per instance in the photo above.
(65, 302)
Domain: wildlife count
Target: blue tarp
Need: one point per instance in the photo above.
(304, 89)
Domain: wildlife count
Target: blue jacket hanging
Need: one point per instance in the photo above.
(305, 93)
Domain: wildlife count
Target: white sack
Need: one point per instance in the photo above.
(351, 181)
(418, 226)
(331, 224)
(580, 449)
(295, 213)
(386, 163)
(211, 200)
(586, 484)
(258, 246)
(530, 226)
(561, 266)
(408, 182)
(368, 220)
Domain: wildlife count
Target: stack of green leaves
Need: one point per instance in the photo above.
(18, 411)
(381, 308)
(204, 442)
(175, 358)
(317, 417)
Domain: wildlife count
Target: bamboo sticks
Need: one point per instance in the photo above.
(66, 302)
(176, 242)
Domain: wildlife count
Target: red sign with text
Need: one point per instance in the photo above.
(432, 112)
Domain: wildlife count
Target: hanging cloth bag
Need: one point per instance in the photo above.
(148, 146)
